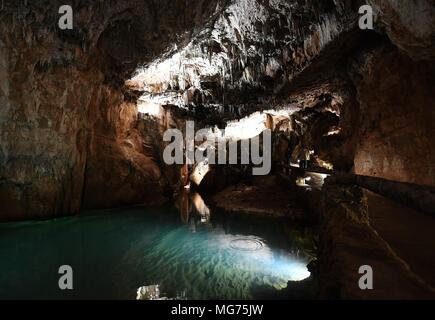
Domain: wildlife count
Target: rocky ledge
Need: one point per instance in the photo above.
(260, 196)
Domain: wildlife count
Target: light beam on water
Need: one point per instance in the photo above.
(114, 252)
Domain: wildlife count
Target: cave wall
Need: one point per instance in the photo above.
(120, 170)
(67, 129)
(385, 87)
(395, 85)
(410, 25)
(397, 116)
(43, 125)
(70, 136)
(60, 97)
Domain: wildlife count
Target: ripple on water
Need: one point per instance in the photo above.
(246, 244)
(226, 260)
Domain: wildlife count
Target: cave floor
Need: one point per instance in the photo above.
(408, 232)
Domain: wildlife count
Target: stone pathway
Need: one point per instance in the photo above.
(410, 233)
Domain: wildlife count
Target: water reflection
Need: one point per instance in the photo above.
(228, 256)
(192, 208)
(224, 254)
(226, 260)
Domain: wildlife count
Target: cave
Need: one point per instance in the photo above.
(217, 149)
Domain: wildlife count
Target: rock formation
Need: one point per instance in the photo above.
(73, 133)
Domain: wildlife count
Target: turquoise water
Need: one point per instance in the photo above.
(114, 252)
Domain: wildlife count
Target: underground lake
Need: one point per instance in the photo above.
(217, 255)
